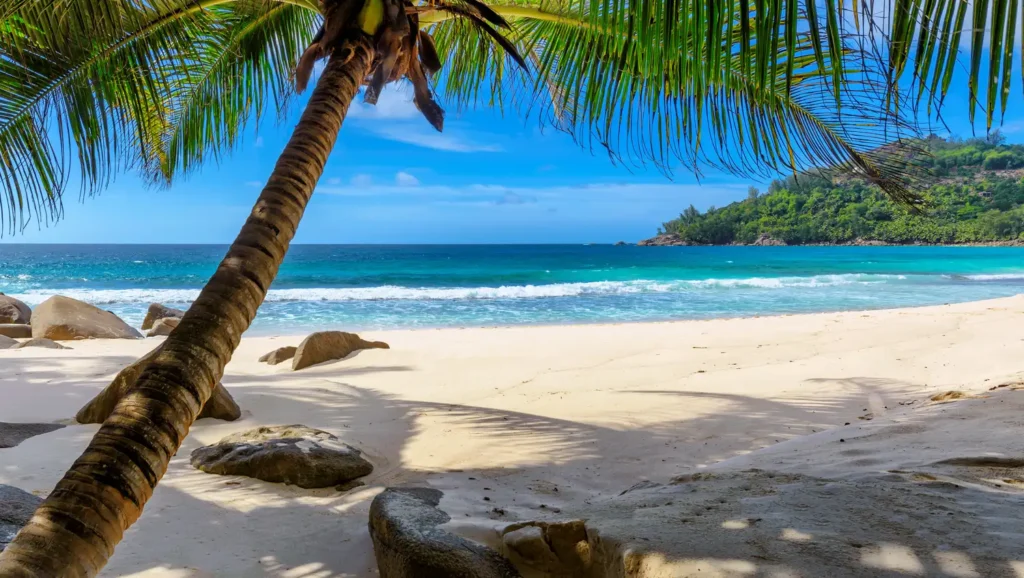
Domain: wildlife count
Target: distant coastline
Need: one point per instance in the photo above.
(674, 240)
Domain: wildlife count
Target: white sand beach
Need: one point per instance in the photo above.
(525, 423)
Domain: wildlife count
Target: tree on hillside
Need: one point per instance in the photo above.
(163, 86)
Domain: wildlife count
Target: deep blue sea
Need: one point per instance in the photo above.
(372, 287)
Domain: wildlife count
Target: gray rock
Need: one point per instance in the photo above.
(157, 312)
(766, 240)
(163, 326)
(15, 330)
(665, 240)
(279, 355)
(8, 343)
(42, 342)
(12, 434)
(16, 508)
(330, 345)
(290, 454)
(220, 405)
(62, 318)
(408, 543)
(13, 311)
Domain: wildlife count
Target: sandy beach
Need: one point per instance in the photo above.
(518, 423)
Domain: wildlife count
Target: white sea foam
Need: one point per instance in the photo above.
(996, 277)
(396, 293)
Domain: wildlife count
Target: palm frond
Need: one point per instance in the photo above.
(93, 88)
(80, 88)
(698, 84)
(239, 68)
(924, 39)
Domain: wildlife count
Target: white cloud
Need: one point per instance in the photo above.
(1011, 127)
(427, 138)
(514, 199)
(395, 103)
(334, 181)
(254, 184)
(396, 118)
(362, 180)
(404, 179)
(259, 142)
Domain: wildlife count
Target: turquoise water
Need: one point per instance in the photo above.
(370, 287)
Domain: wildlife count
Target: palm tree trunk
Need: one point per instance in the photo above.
(74, 532)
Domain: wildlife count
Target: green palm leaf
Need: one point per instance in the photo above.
(723, 100)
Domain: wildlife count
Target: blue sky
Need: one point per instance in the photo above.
(392, 179)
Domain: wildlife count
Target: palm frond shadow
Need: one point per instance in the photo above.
(276, 530)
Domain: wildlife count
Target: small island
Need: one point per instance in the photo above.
(977, 199)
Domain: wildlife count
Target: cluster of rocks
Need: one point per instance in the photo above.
(766, 240)
(665, 240)
(60, 318)
(674, 240)
(321, 347)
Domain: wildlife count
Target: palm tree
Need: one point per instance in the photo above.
(160, 86)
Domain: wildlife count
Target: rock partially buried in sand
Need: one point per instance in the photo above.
(41, 342)
(220, 405)
(12, 434)
(16, 508)
(330, 345)
(157, 312)
(290, 454)
(13, 310)
(62, 318)
(408, 543)
(15, 330)
(279, 355)
(163, 326)
(8, 343)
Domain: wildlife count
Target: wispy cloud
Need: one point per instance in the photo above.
(396, 118)
(259, 142)
(404, 179)
(395, 103)
(362, 181)
(1014, 126)
(501, 195)
(254, 184)
(425, 137)
(514, 199)
(334, 181)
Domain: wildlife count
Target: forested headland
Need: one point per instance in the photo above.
(977, 197)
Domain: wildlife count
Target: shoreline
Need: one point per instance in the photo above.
(513, 423)
(613, 324)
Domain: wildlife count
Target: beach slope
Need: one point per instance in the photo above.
(516, 424)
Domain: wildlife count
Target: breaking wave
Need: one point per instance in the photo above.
(397, 293)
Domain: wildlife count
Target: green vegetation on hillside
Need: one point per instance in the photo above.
(978, 197)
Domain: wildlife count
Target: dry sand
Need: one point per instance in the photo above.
(523, 423)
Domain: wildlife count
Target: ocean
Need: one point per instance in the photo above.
(359, 287)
